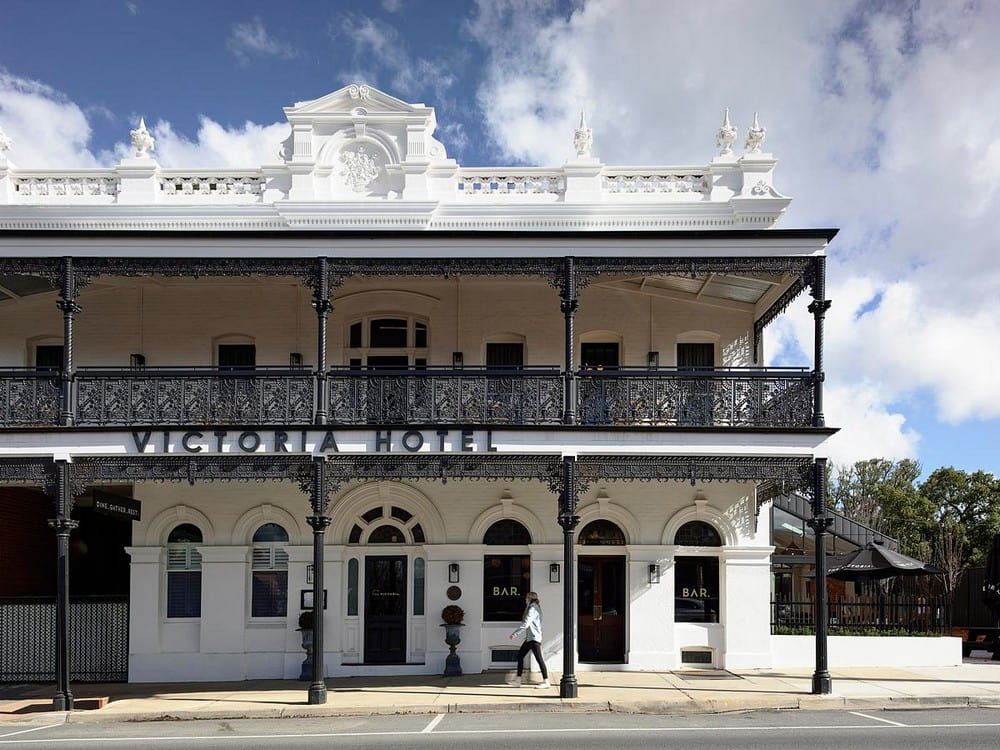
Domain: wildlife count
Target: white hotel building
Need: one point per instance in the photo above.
(368, 371)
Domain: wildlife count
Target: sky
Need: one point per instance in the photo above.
(883, 116)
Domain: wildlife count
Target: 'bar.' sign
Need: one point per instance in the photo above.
(125, 508)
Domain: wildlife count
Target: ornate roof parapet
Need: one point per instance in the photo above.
(358, 158)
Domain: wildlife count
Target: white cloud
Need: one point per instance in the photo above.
(392, 6)
(885, 124)
(379, 45)
(48, 130)
(132, 8)
(250, 39)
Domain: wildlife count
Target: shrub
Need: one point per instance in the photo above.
(453, 614)
(306, 619)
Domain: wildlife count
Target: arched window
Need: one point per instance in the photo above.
(392, 343)
(382, 533)
(697, 534)
(506, 578)
(269, 572)
(696, 579)
(602, 532)
(184, 571)
(507, 531)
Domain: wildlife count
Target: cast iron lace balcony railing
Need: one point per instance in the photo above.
(525, 396)
(29, 397)
(193, 395)
(446, 396)
(731, 397)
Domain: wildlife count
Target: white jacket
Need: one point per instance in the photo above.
(532, 623)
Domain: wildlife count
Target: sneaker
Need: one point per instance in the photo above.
(514, 682)
(543, 684)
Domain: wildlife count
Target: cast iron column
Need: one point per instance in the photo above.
(821, 684)
(321, 303)
(62, 524)
(568, 304)
(319, 521)
(818, 308)
(67, 303)
(568, 687)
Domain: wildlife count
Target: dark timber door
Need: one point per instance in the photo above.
(601, 609)
(385, 610)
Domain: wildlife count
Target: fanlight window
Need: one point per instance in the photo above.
(697, 534)
(507, 532)
(383, 533)
(602, 532)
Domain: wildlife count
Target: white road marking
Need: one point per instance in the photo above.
(876, 718)
(33, 729)
(434, 722)
(328, 735)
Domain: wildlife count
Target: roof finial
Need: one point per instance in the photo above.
(142, 140)
(726, 136)
(583, 137)
(755, 136)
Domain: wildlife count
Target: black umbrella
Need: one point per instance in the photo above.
(874, 561)
(991, 580)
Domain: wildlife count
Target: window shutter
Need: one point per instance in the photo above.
(280, 559)
(261, 558)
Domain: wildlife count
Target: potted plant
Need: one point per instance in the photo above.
(452, 616)
(307, 619)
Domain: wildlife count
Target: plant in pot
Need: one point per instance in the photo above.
(452, 616)
(306, 622)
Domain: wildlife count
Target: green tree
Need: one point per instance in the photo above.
(882, 494)
(970, 502)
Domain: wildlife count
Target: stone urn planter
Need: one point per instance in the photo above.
(452, 616)
(306, 628)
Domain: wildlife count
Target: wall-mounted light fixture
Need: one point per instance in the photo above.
(554, 573)
(654, 573)
(295, 360)
(453, 573)
(137, 361)
(309, 574)
(653, 360)
(457, 359)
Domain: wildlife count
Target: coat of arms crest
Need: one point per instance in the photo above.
(360, 169)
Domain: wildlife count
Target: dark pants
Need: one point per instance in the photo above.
(536, 649)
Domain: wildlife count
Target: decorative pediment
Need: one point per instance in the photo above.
(350, 98)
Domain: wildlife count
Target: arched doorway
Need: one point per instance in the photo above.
(601, 597)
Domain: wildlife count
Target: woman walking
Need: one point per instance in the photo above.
(531, 626)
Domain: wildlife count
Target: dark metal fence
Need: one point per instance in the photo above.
(28, 397)
(98, 639)
(891, 614)
(737, 397)
(446, 396)
(194, 396)
(712, 398)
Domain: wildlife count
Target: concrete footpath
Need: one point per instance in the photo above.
(685, 691)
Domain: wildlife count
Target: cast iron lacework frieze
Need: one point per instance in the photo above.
(479, 466)
(194, 397)
(29, 397)
(429, 397)
(686, 399)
